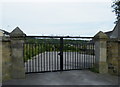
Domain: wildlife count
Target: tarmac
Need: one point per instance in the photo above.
(73, 77)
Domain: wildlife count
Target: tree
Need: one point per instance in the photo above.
(116, 7)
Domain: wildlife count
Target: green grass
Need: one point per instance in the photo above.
(94, 70)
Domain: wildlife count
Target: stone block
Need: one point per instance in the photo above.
(6, 61)
(101, 52)
(113, 57)
(103, 67)
(100, 36)
(18, 70)
(17, 40)
(11, 56)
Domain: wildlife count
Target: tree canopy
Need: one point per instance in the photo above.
(116, 7)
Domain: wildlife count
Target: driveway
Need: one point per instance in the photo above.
(74, 77)
(50, 61)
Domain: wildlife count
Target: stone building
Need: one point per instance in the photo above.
(113, 50)
(115, 33)
(4, 33)
(1, 32)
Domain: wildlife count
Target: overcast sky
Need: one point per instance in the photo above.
(57, 17)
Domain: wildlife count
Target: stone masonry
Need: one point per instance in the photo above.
(5, 58)
(11, 49)
(17, 40)
(0, 58)
(113, 58)
(101, 52)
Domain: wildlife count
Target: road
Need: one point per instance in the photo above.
(50, 61)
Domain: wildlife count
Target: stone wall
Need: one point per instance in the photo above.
(100, 52)
(6, 59)
(0, 59)
(1, 33)
(18, 70)
(11, 56)
(113, 57)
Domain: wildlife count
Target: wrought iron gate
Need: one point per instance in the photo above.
(55, 53)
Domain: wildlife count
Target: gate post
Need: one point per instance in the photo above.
(101, 52)
(17, 40)
(61, 54)
(0, 59)
(5, 58)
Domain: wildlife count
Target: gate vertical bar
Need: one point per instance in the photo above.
(49, 55)
(93, 54)
(41, 56)
(61, 54)
(38, 58)
(54, 56)
(27, 63)
(30, 56)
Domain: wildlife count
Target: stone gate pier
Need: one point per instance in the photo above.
(11, 56)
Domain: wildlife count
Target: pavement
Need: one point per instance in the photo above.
(73, 77)
(0, 84)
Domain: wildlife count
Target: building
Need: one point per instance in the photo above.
(1, 32)
(116, 31)
(4, 33)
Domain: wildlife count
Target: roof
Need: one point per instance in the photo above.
(108, 33)
(5, 32)
(115, 33)
(17, 32)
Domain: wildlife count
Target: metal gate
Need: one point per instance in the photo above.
(55, 53)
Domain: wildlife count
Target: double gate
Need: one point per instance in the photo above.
(48, 53)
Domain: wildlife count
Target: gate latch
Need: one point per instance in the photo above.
(59, 53)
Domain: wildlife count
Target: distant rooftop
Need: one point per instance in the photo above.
(115, 33)
(5, 32)
(109, 33)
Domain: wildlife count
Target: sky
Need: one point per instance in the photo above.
(57, 17)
